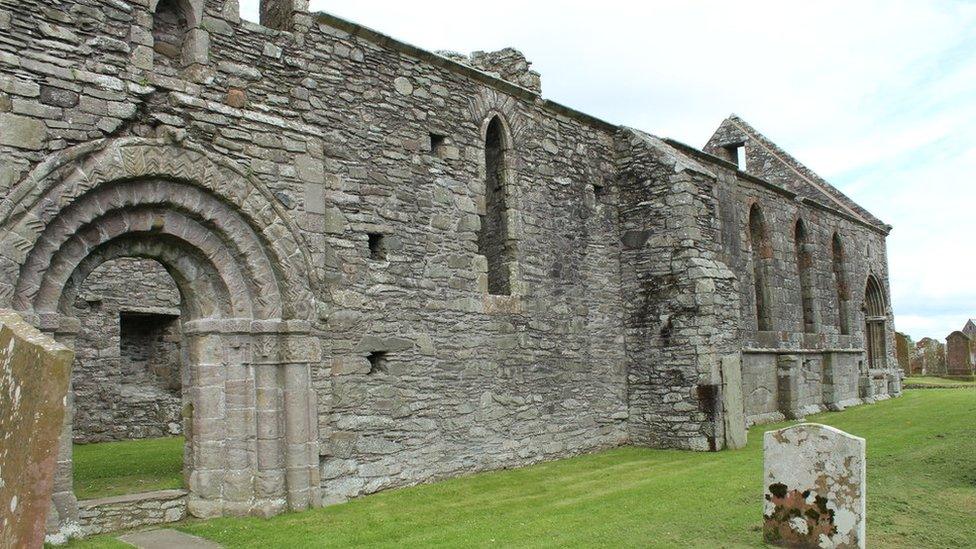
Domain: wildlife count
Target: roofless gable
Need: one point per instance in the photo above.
(754, 153)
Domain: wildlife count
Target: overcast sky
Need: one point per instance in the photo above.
(878, 97)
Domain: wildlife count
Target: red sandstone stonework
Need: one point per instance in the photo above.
(236, 98)
(959, 354)
(34, 372)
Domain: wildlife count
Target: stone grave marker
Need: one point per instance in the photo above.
(34, 372)
(815, 484)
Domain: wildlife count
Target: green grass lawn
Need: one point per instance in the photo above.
(934, 381)
(921, 493)
(128, 467)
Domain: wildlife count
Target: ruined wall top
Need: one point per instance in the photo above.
(765, 159)
(509, 64)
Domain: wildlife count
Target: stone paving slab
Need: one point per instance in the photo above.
(167, 539)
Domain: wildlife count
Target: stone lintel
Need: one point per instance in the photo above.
(246, 326)
(54, 323)
(163, 311)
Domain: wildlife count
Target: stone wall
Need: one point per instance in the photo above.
(682, 311)
(338, 127)
(112, 514)
(930, 357)
(788, 372)
(820, 357)
(904, 349)
(364, 158)
(127, 376)
(508, 64)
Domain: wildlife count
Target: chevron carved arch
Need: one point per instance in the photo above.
(71, 175)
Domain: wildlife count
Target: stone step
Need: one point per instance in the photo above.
(166, 538)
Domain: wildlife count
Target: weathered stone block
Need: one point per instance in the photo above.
(22, 132)
(814, 477)
(34, 373)
(733, 402)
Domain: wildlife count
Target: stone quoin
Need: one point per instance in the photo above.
(339, 263)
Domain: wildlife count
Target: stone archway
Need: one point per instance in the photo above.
(875, 318)
(246, 282)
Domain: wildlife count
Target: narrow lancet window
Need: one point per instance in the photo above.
(840, 285)
(493, 241)
(804, 268)
(761, 254)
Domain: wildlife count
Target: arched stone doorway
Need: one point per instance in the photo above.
(245, 282)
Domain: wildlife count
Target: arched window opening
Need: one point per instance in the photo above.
(874, 320)
(761, 253)
(804, 268)
(493, 241)
(169, 33)
(840, 285)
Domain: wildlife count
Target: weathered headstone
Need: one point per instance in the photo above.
(34, 372)
(959, 354)
(815, 484)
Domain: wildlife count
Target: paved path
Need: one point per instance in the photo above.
(167, 539)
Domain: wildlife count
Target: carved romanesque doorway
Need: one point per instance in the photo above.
(875, 318)
(246, 303)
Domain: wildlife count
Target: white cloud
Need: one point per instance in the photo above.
(877, 96)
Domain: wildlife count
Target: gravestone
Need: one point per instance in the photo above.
(815, 484)
(34, 372)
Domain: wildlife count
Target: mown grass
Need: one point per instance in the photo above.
(128, 467)
(921, 493)
(943, 382)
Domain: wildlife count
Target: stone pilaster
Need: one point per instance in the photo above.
(789, 384)
(830, 385)
(284, 353)
(254, 442)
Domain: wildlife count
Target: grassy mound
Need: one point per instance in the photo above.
(947, 382)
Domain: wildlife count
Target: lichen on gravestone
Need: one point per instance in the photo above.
(814, 483)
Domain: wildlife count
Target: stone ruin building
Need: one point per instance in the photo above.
(905, 353)
(339, 263)
(928, 358)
